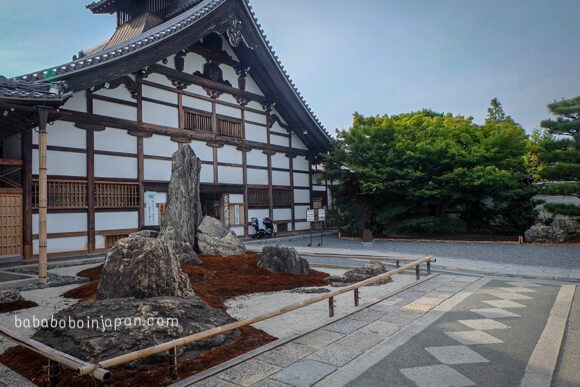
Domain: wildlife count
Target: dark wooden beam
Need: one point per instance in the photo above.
(26, 149)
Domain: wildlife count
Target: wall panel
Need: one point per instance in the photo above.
(115, 167)
(116, 220)
(116, 140)
(157, 114)
(111, 109)
(62, 163)
(157, 170)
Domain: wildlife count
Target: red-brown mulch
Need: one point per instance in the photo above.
(16, 305)
(216, 280)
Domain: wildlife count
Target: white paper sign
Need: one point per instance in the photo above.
(151, 215)
(237, 214)
(321, 214)
(310, 215)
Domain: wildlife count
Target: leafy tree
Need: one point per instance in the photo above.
(568, 120)
(426, 172)
(495, 111)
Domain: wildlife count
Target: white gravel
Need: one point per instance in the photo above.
(309, 317)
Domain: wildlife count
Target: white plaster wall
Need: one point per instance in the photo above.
(62, 163)
(78, 102)
(255, 105)
(279, 140)
(206, 173)
(279, 160)
(301, 180)
(202, 151)
(110, 109)
(116, 220)
(159, 79)
(236, 199)
(229, 74)
(159, 94)
(115, 166)
(297, 142)
(55, 222)
(256, 157)
(300, 163)
(257, 176)
(301, 196)
(318, 187)
(115, 140)
(100, 241)
(239, 230)
(276, 112)
(277, 128)
(302, 226)
(561, 199)
(280, 178)
(256, 133)
(157, 170)
(259, 118)
(300, 211)
(196, 89)
(157, 145)
(63, 133)
(120, 92)
(229, 154)
(230, 175)
(259, 213)
(228, 111)
(196, 103)
(11, 147)
(282, 214)
(155, 113)
(57, 245)
(252, 87)
(192, 62)
(225, 97)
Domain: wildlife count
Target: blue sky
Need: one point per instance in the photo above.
(370, 56)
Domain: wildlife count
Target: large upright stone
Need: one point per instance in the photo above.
(142, 268)
(183, 212)
(213, 238)
(283, 259)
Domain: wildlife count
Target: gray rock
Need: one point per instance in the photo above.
(183, 211)
(366, 271)
(9, 295)
(283, 259)
(142, 268)
(184, 252)
(545, 234)
(145, 234)
(213, 238)
(97, 343)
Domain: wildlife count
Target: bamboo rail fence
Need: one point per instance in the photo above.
(171, 346)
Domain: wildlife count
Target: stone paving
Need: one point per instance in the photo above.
(307, 359)
(445, 331)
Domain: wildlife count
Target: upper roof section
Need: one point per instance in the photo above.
(232, 18)
(21, 91)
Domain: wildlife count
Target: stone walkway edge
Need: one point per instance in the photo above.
(258, 351)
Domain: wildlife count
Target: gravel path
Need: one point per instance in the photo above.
(537, 255)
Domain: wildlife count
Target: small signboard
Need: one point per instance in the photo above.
(321, 214)
(310, 215)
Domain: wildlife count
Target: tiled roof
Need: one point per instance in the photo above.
(13, 89)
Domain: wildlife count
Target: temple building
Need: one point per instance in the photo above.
(174, 72)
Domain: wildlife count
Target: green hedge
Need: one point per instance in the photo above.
(563, 209)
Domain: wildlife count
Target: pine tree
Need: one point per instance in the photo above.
(495, 113)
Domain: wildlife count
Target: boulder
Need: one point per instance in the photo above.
(366, 271)
(184, 252)
(142, 268)
(145, 234)
(283, 259)
(545, 234)
(114, 327)
(213, 238)
(183, 211)
(10, 295)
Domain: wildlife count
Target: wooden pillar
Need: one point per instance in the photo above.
(91, 191)
(42, 196)
(140, 153)
(270, 191)
(291, 166)
(245, 151)
(26, 144)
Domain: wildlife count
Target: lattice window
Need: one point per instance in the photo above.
(72, 194)
(197, 121)
(229, 128)
(116, 195)
(62, 194)
(258, 197)
(282, 197)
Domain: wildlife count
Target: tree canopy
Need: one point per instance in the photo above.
(568, 120)
(426, 172)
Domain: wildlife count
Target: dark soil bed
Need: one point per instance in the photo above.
(16, 305)
(216, 280)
